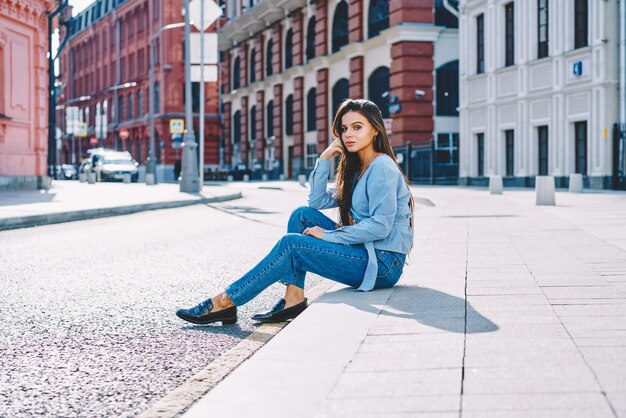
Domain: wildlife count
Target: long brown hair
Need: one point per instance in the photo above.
(350, 164)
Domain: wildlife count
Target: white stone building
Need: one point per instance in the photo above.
(539, 90)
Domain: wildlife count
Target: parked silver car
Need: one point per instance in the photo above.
(110, 165)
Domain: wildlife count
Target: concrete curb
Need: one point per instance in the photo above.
(80, 215)
(179, 400)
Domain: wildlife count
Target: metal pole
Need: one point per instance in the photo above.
(201, 95)
(220, 104)
(622, 88)
(151, 162)
(118, 77)
(189, 181)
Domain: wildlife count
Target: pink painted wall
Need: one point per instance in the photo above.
(23, 87)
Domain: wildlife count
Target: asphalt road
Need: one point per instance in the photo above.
(88, 325)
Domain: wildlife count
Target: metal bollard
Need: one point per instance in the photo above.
(229, 178)
(126, 178)
(576, 183)
(150, 179)
(264, 177)
(91, 177)
(281, 177)
(544, 189)
(82, 177)
(302, 179)
(495, 184)
(246, 177)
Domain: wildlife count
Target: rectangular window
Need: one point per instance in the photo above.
(311, 155)
(155, 9)
(580, 132)
(509, 138)
(542, 148)
(480, 44)
(2, 90)
(581, 28)
(542, 28)
(140, 62)
(447, 148)
(509, 29)
(480, 139)
(131, 66)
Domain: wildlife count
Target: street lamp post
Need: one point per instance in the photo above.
(151, 160)
(189, 182)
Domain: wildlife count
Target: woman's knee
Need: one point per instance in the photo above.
(297, 217)
(289, 241)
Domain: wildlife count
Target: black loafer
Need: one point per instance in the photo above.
(201, 314)
(279, 313)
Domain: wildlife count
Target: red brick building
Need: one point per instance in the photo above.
(23, 93)
(105, 69)
(287, 64)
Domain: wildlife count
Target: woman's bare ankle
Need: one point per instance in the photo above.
(293, 296)
(221, 302)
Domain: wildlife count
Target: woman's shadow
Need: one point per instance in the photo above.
(427, 306)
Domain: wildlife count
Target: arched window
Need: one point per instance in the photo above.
(448, 89)
(289, 49)
(378, 89)
(252, 123)
(378, 17)
(341, 91)
(236, 74)
(311, 107)
(130, 106)
(269, 58)
(289, 115)
(252, 75)
(270, 119)
(310, 39)
(237, 127)
(157, 97)
(443, 17)
(140, 104)
(340, 26)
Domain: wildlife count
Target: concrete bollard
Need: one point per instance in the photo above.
(495, 184)
(82, 177)
(544, 189)
(264, 177)
(230, 178)
(281, 177)
(91, 177)
(150, 179)
(246, 177)
(576, 183)
(126, 178)
(302, 179)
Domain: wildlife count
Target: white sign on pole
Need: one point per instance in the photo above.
(71, 118)
(211, 13)
(210, 73)
(210, 48)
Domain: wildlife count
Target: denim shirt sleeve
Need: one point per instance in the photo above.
(381, 189)
(319, 197)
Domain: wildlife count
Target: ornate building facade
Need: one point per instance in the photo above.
(539, 91)
(105, 71)
(287, 64)
(23, 93)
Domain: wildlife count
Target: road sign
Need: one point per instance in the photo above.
(210, 48)
(211, 12)
(177, 126)
(80, 129)
(124, 134)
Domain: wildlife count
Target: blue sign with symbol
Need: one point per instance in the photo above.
(577, 68)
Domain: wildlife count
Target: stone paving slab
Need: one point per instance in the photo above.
(505, 310)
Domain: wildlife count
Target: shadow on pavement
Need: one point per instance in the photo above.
(427, 306)
(217, 328)
(25, 197)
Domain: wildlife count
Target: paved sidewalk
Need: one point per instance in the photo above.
(506, 310)
(70, 201)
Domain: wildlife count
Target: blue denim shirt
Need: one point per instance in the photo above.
(380, 209)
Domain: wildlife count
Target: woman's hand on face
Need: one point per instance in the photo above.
(333, 150)
(315, 231)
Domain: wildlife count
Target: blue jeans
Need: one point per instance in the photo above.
(295, 254)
